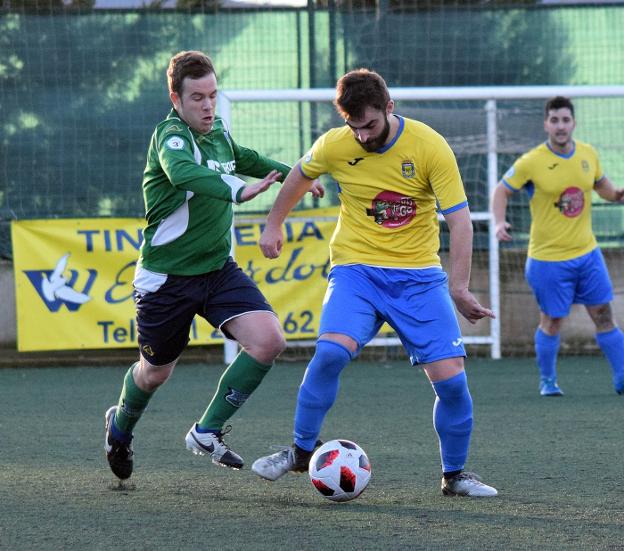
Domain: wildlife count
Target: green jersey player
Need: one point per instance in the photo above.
(185, 268)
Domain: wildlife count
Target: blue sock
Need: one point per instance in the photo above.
(318, 391)
(546, 350)
(612, 345)
(120, 435)
(205, 431)
(452, 420)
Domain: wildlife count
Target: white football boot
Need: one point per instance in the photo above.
(212, 444)
(467, 484)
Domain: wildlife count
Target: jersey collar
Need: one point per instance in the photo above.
(173, 114)
(562, 155)
(396, 136)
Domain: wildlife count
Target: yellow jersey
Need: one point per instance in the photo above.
(560, 191)
(389, 198)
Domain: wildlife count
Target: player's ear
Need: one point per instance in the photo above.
(390, 107)
(175, 99)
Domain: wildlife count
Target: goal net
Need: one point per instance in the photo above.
(487, 128)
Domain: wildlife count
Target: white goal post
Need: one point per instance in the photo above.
(489, 95)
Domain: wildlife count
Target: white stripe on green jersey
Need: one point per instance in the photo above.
(189, 187)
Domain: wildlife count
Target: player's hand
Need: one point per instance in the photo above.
(502, 231)
(468, 306)
(251, 190)
(619, 195)
(271, 242)
(317, 189)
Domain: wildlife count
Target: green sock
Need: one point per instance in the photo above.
(132, 403)
(237, 383)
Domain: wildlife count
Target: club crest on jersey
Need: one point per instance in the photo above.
(175, 143)
(392, 210)
(571, 202)
(407, 169)
(585, 165)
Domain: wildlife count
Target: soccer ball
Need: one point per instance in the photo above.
(340, 470)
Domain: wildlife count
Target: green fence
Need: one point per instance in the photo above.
(81, 91)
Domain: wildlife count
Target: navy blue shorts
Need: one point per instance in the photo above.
(164, 316)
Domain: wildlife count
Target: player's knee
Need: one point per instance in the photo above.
(331, 356)
(602, 317)
(275, 345)
(149, 377)
(453, 388)
(269, 347)
(551, 326)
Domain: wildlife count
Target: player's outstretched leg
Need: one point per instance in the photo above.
(211, 443)
(238, 382)
(466, 484)
(293, 459)
(317, 394)
(118, 447)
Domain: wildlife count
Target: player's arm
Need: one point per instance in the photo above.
(500, 198)
(176, 158)
(293, 189)
(251, 163)
(447, 185)
(605, 188)
(460, 257)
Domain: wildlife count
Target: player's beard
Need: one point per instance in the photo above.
(379, 141)
(563, 139)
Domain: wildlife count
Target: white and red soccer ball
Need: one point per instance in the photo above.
(340, 470)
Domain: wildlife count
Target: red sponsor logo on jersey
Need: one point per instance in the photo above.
(392, 210)
(571, 202)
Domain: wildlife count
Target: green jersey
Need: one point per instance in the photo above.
(189, 188)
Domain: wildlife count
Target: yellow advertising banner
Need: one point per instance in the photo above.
(73, 279)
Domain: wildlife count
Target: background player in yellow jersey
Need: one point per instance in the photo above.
(385, 268)
(564, 264)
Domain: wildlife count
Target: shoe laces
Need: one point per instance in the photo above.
(465, 475)
(222, 433)
(279, 457)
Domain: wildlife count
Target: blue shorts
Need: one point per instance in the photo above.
(164, 316)
(557, 285)
(415, 303)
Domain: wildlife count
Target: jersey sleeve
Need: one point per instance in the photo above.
(445, 179)
(516, 176)
(598, 174)
(314, 162)
(176, 156)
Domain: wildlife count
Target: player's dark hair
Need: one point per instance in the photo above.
(191, 64)
(358, 90)
(558, 102)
